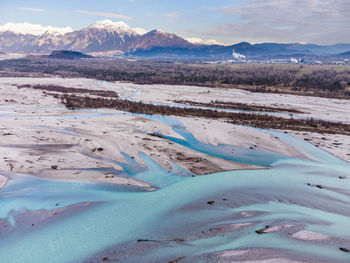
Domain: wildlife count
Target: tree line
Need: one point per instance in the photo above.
(327, 81)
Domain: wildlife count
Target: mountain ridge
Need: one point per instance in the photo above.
(107, 36)
(33, 29)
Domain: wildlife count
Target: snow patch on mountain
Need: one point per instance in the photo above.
(34, 29)
(119, 27)
(141, 31)
(199, 41)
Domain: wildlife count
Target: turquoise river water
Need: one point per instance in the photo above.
(97, 217)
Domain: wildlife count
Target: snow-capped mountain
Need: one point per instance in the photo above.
(199, 41)
(102, 36)
(113, 27)
(33, 29)
(109, 38)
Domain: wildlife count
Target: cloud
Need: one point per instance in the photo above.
(312, 21)
(172, 16)
(32, 9)
(103, 14)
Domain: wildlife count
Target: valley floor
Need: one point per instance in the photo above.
(38, 125)
(189, 189)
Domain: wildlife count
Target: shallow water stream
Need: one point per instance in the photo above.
(83, 222)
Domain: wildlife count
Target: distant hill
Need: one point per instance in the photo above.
(247, 49)
(67, 54)
(345, 54)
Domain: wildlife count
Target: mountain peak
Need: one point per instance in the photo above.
(110, 24)
(118, 27)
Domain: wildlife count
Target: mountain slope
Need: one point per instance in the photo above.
(156, 38)
(102, 36)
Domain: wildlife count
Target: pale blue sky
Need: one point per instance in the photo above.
(229, 21)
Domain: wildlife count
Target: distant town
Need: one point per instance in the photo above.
(238, 58)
